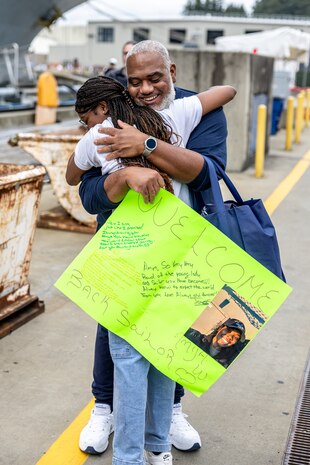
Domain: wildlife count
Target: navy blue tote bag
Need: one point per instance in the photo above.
(247, 223)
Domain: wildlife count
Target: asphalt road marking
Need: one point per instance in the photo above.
(285, 186)
(65, 450)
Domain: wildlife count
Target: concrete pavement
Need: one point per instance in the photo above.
(46, 365)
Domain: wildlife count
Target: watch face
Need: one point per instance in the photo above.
(151, 143)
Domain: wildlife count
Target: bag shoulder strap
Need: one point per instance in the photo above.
(232, 188)
(215, 187)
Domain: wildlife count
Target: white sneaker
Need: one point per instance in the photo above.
(182, 435)
(165, 458)
(94, 437)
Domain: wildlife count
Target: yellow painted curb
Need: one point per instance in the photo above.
(65, 450)
(285, 187)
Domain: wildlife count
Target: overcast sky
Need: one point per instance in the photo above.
(131, 9)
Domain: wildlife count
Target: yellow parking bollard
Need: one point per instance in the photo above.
(307, 107)
(303, 115)
(289, 123)
(299, 117)
(260, 140)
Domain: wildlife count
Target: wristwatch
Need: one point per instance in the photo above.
(150, 144)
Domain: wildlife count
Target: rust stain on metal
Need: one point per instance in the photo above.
(53, 151)
(26, 309)
(20, 189)
(58, 218)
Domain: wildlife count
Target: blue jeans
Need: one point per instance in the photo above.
(143, 401)
(102, 386)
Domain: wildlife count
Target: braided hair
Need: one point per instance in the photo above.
(122, 106)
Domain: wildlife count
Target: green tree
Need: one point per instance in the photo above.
(192, 6)
(203, 7)
(279, 7)
(212, 6)
(237, 9)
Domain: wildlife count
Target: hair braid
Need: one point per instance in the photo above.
(121, 106)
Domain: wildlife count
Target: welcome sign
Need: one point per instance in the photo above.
(177, 289)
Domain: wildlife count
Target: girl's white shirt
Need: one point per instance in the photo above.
(183, 115)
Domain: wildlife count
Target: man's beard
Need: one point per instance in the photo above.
(166, 101)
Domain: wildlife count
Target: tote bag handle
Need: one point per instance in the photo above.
(215, 188)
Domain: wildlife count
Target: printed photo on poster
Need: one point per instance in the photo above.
(226, 326)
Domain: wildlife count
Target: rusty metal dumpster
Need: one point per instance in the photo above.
(53, 150)
(20, 190)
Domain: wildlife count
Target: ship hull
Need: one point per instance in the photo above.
(20, 22)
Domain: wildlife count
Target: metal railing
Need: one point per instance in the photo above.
(16, 58)
(11, 59)
(250, 15)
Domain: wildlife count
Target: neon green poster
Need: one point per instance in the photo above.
(175, 287)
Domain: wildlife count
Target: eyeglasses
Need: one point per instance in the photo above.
(82, 123)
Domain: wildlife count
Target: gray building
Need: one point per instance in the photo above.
(98, 41)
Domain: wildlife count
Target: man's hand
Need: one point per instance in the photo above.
(121, 143)
(178, 162)
(143, 180)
